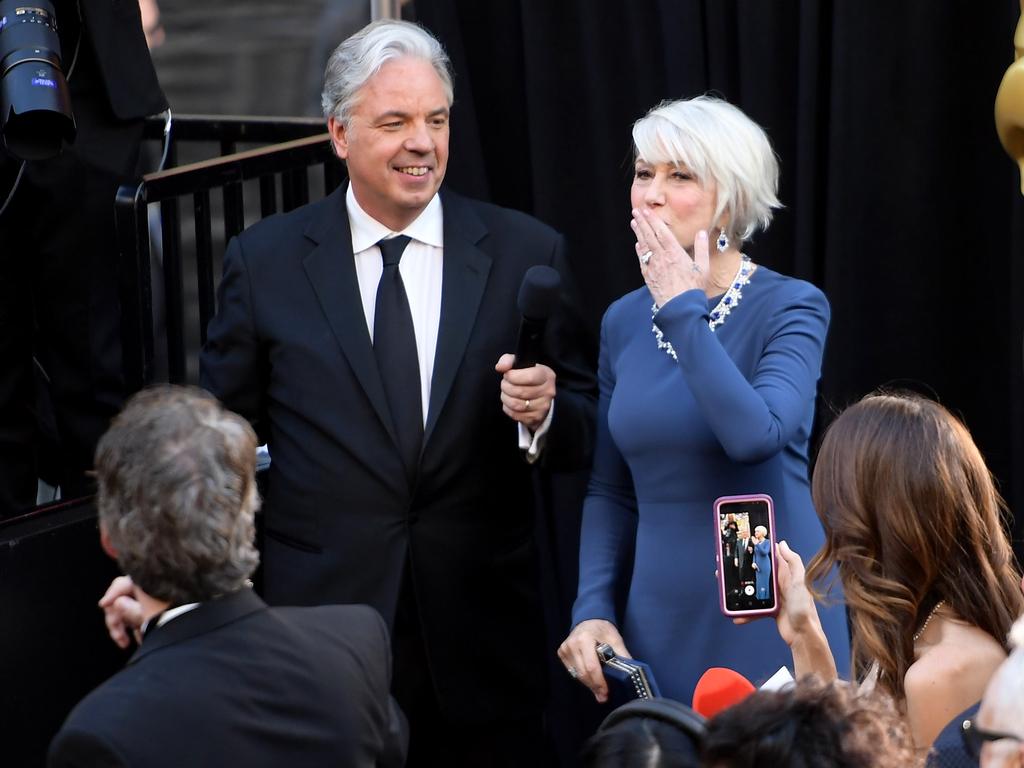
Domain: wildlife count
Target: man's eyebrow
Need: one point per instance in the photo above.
(397, 113)
(390, 114)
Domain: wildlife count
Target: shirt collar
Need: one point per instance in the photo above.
(427, 228)
(165, 616)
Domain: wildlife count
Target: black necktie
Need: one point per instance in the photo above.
(394, 344)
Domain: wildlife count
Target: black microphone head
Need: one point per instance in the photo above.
(538, 294)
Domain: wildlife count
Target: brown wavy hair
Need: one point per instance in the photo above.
(810, 725)
(911, 517)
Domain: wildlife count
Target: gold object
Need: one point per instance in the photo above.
(1010, 102)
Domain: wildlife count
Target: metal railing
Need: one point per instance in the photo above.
(282, 166)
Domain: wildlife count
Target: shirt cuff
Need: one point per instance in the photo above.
(533, 444)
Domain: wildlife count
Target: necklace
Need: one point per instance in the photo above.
(931, 615)
(725, 305)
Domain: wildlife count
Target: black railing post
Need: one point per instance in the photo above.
(204, 260)
(174, 290)
(290, 159)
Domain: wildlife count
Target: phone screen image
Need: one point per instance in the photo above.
(746, 554)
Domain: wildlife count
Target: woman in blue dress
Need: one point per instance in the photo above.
(708, 379)
(762, 562)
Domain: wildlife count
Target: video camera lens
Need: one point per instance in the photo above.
(35, 105)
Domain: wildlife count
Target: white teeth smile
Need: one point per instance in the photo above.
(414, 171)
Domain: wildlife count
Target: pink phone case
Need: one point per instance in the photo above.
(719, 502)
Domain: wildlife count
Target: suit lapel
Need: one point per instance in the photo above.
(331, 269)
(465, 272)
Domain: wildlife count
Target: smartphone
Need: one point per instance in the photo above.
(745, 555)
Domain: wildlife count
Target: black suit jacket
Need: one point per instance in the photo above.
(290, 350)
(233, 682)
(745, 558)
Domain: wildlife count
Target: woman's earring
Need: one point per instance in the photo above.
(723, 241)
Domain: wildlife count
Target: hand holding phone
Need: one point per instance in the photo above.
(747, 583)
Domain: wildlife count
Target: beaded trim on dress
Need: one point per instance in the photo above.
(717, 316)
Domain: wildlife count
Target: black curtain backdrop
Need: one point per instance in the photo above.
(900, 203)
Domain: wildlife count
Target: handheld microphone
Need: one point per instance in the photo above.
(719, 688)
(538, 299)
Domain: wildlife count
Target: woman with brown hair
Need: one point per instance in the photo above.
(914, 523)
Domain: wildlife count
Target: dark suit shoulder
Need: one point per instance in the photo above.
(359, 629)
(269, 234)
(76, 746)
(323, 670)
(362, 619)
(90, 734)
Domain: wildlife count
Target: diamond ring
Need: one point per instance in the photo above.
(526, 405)
(573, 673)
(645, 257)
(694, 268)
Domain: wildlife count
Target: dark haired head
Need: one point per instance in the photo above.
(811, 725)
(657, 733)
(911, 516)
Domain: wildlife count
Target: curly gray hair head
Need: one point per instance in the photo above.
(362, 55)
(177, 494)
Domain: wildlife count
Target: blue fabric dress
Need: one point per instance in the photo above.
(732, 416)
(763, 561)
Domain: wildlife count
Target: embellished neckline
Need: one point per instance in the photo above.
(729, 301)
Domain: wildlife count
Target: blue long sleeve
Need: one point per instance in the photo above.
(609, 523)
(772, 405)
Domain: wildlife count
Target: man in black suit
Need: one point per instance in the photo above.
(380, 385)
(219, 679)
(745, 556)
(58, 255)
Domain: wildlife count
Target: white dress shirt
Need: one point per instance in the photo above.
(421, 269)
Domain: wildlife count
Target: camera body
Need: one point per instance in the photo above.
(35, 103)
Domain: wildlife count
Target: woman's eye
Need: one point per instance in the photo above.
(642, 173)
(681, 176)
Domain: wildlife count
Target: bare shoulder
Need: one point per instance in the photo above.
(959, 649)
(949, 675)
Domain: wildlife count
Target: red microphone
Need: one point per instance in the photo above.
(719, 688)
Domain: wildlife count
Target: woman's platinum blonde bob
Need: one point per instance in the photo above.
(716, 141)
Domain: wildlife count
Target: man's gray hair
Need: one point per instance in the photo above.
(362, 55)
(177, 494)
(715, 140)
